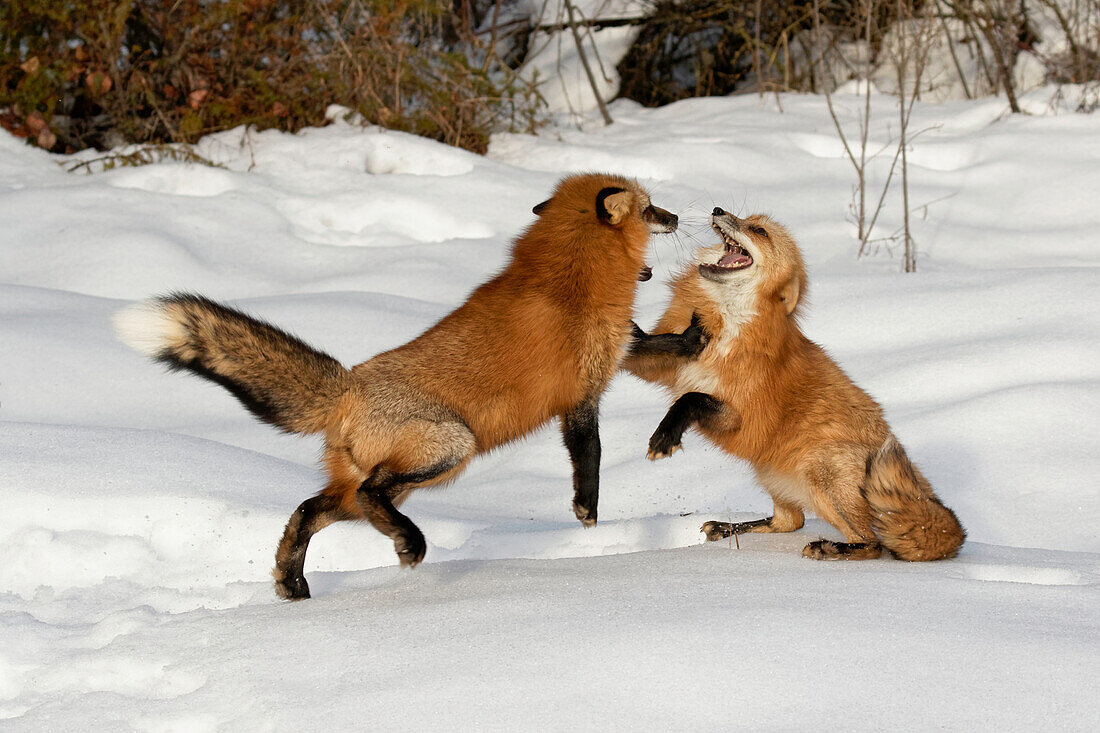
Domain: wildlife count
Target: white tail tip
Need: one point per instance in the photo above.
(148, 327)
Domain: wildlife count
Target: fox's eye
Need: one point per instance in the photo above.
(761, 231)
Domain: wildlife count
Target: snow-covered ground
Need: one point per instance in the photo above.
(140, 509)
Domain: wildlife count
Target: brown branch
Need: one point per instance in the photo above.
(523, 24)
(954, 56)
(584, 62)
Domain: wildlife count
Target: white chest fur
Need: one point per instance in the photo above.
(696, 376)
(736, 305)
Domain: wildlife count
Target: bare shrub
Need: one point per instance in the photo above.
(713, 47)
(103, 72)
(1075, 57)
(690, 48)
(908, 52)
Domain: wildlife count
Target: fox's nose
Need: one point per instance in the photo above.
(718, 211)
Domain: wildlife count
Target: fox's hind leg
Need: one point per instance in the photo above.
(425, 452)
(838, 499)
(785, 518)
(311, 517)
(376, 499)
(428, 451)
(335, 503)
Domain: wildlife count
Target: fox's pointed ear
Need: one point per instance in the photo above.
(539, 208)
(789, 293)
(613, 205)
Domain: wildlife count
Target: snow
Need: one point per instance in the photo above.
(141, 508)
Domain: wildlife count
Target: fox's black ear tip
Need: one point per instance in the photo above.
(539, 208)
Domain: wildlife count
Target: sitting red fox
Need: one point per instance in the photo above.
(765, 393)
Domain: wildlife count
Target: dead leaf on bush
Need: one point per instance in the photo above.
(279, 109)
(35, 122)
(30, 65)
(98, 83)
(197, 97)
(46, 139)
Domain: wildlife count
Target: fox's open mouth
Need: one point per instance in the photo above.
(735, 258)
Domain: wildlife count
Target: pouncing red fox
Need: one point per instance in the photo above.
(541, 340)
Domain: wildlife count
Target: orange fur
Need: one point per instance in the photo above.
(817, 442)
(533, 342)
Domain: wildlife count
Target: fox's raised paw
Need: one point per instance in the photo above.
(664, 442)
(410, 549)
(695, 337)
(657, 452)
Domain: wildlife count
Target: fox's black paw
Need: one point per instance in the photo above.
(694, 338)
(828, 550)
(717, 530)
(410, 547)
(721, 530)
(686, 345)
(662, 445)
(586, 515)
(292, 589)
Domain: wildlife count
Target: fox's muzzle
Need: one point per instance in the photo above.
(660, 221)
(731, 221)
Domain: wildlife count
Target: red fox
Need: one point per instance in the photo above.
(540, 340)
(765, 393)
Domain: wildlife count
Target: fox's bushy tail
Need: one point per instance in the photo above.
(280, 379)
(907, 515)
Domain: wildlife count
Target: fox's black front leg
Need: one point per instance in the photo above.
(687, 344)
(581, 430)
(691, 408)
